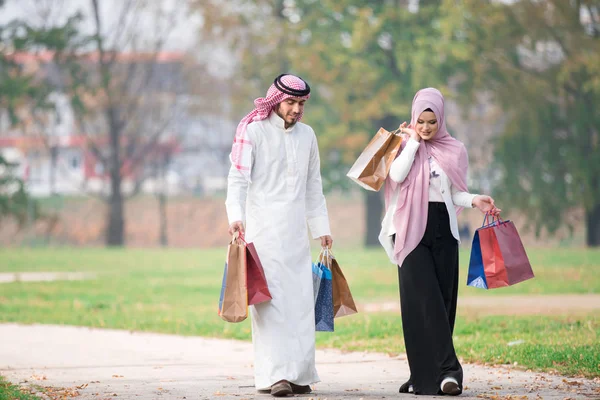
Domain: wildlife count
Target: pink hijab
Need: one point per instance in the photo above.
(410, 218)
(283, 87)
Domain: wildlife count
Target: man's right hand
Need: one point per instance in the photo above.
(237, 226)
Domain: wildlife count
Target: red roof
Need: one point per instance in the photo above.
(46, 56)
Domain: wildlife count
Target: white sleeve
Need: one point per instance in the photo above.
(402, 164)
(461, 199)
(237, 190)
(316, 207)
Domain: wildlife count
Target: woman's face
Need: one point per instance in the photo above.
(427, 125)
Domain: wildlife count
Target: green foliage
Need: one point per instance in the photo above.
(364, 60)
(24, 89)
(540, 61)
(24, 92)
(14, 200)
(9, 391)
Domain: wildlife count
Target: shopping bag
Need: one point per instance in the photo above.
(223, 288)
(493, 263)
(258, 290)
(234, 307)
(517, 265)
(476, 275)
(324, 303)
(498, 257)
(343, 303)
(373, 165)
(486, 271)
(317, 275)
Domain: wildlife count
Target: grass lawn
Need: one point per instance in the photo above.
(176, 291)
(9, 391)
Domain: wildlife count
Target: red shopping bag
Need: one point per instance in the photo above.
(503, 255)
(258, 290)
(516, 262)
(493, 262)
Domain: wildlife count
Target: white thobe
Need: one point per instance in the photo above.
(285, 193)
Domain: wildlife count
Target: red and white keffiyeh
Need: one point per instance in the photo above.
(284, 87)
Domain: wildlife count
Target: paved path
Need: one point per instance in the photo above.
(546, 304)
(112, 364)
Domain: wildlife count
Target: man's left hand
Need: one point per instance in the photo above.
(326, 241)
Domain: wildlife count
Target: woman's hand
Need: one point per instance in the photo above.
(486, 204)
(413, 134)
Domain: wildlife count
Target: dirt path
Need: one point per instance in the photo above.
(513, 305)
(111, 364)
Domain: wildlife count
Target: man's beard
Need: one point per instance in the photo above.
(289, 124)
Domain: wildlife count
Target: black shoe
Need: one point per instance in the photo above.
(449, 386)
(407, 387)
(298, 389)
(281, 389)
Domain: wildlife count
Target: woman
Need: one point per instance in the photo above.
(425, 191)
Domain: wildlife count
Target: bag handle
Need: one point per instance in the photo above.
(495, 220)
(237, 235)
(486, 221)
(324, 257)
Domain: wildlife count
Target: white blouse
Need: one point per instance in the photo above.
(440, 190)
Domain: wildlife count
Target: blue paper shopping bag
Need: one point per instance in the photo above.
(317, 275)
(223, 288)
(476, 275)
(324, 302)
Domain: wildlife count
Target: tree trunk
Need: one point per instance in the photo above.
(593, 226)
(162, 204)
(116, 224)
(373, 214)
(53, 160)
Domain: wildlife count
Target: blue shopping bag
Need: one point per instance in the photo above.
(476, 276)
(223, 288)
(317, 275)
(324, 302)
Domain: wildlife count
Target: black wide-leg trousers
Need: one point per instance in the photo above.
(428, 295)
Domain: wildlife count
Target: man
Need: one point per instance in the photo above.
(274, 186)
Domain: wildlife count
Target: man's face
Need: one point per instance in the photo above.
(290, 110)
